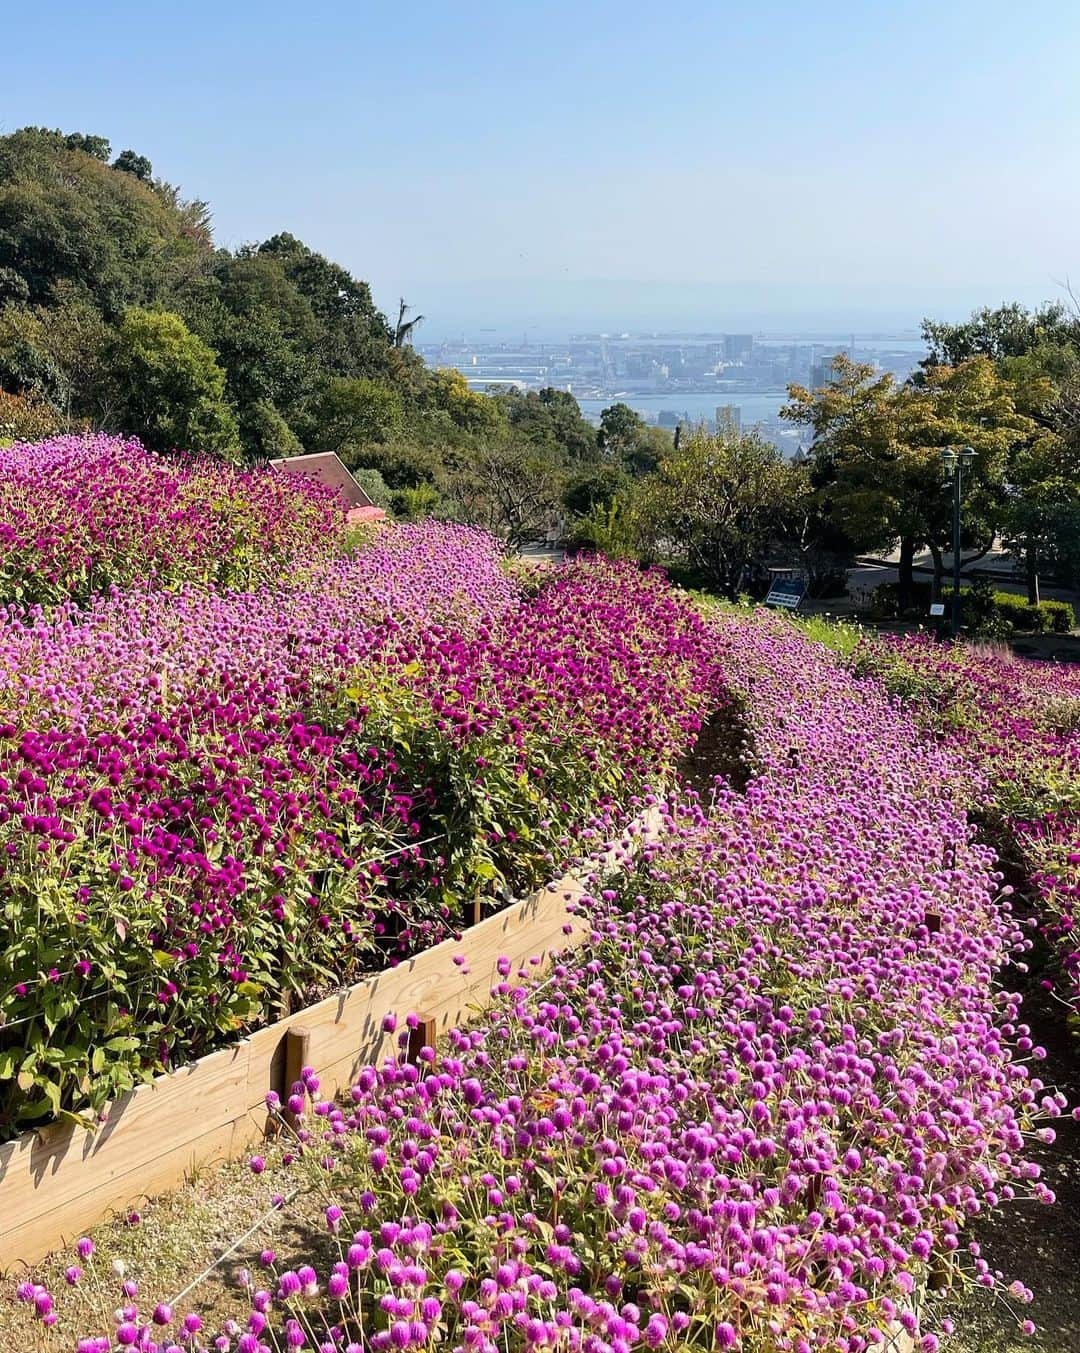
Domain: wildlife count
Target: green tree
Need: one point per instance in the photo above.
(354, 338)
(624, 436)
(447, 391)
(720, 504)
(67, 218)
(876, 455)
(350, 413)
(1038, 351)
(267, 377)
(1007, 331)
(620, 429)
(168, 389)
(594, 486)
(129, 163)
(57, 355)
(97, 147)
(549, 418)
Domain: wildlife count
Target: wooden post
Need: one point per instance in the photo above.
(932, 921)
(297, 1045)
(423, 1036)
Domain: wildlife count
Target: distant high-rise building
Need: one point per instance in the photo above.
(738, 347)
(821, 372)
(728, 418)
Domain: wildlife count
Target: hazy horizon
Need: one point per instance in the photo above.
(554, 309)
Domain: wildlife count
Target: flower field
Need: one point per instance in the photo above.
(1016, 725)
(754, 1110)
(757, 1108)
(81, 515)
(209, 798)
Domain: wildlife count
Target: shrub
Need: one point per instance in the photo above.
(25, 419)
(983, 610)
(981, 606)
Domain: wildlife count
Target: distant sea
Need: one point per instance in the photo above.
(755, 407)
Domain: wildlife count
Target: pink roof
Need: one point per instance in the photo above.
(356, 514)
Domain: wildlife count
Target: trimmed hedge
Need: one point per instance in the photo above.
(981, 606)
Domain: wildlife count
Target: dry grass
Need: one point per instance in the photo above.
(174, 1239)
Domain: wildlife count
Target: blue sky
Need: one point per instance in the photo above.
(771, 158)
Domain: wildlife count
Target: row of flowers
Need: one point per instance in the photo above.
(754, 1110)
(80, 515)
(1016, 724)
(211, 802)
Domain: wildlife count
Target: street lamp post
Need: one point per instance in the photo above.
(954, 464)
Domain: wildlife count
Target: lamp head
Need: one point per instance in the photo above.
(949, 460)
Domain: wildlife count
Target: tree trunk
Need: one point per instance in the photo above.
(906, 570)
(939, 570)
(1031, 564)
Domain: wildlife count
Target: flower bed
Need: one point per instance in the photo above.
(1016, 724)
(753, 1111)
(209, 803)
(57, 1182)
(82, 515)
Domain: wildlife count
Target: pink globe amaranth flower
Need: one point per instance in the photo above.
(257, 1164)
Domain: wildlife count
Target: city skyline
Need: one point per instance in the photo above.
(738, 380)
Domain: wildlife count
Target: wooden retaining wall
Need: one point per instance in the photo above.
(58, 1181)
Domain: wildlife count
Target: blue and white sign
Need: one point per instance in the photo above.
(787, 592)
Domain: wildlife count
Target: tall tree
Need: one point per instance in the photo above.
(349, 414)
(876, 455)
(168, 387)
(720, 503)
(67, 218)
(404, 327)
(510, 488)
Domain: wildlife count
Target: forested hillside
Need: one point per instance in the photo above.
(119, 313)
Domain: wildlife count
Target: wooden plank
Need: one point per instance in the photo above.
(57, 1182)
(423, 1036)
(56, 1223)
(60, 1165)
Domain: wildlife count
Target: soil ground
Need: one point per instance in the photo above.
(1028, 1241)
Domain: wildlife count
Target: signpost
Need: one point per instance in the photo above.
(786, 592)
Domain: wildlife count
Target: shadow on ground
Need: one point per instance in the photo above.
(1036, 1244)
